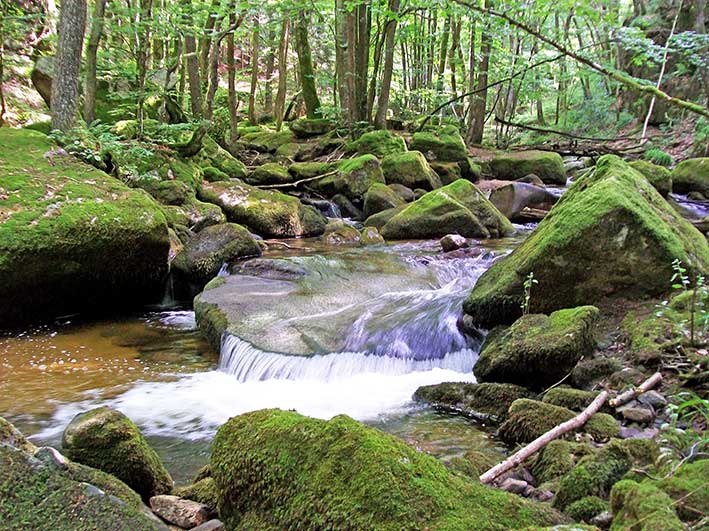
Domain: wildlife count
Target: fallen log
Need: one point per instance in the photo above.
(540, 442)
(627, 396)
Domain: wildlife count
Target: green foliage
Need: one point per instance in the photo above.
(683, 437)
(529, 281)
(659, 157)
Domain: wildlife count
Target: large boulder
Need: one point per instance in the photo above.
(378, 143)
(266, 141)
(610, 234)
(441, 145)
(341, 475)
(269, 173)
(72, 237)
(548, 166)
(380, 197)
(410, 169)
(105, 439)
(512, 199)
(659, 176)
(691, 175)
(268, 213)
(353, 178)
(42, 76)
(643, 507)
(309, 127)
(204, 254)
(537, 350)
(457, 208)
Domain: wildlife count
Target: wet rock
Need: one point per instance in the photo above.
(531, 179)
(180, 512)
(353, 178)
(512, 199)
(451, 242)
(590, 247)
(52, 457)
(380, 219)
(440, 145)
(640, 415)
(515, 486)
(272, 268)
(548, 166)
(404, 192)
(447, 172)
(105, 439)
(13, 437)
(378, 143)
(347, 208)
(380, 197)
(410, 169)
(370, 236)
(457, 208)
(212, 525)
(602, 520)
(691, 175)
(338, 233)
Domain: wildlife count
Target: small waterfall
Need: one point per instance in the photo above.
(168, 298)
(246, 363)
(224, 270)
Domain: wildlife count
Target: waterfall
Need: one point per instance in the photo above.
(246, 363)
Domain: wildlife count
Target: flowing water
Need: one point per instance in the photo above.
(157, 369)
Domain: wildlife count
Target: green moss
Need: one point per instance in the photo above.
(106, 439)
(659, 177)
(589, 371)
(611, 233)
(353, 179)
(309, 127)
(72, 237)
(291, 150)
(202, 491)
(211, 320)
(573, 399)
(642, 507)
(269, 173)
(339, 232)
(691, 175)
(370, 236)
(267, 141)
(688, 488)
(483, 401)
(410, 169)
(586, 508)
(380, 219)
(213, 174)
(556, 459)
(13, 437)
(378, 143)
(380, 197)
(307, 170)
(658, 157)
(447, 171)
(278, 470)
(548, 166)
(537, 350)
(643, 452)
(442, 145)
(104, 481)
(457, 208)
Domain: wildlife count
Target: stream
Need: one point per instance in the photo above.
(155, 367)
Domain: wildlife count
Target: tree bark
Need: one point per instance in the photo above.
(282, 73)
(192, 62)
(232, 100)
(479, 103)
(91, 52)
(305, 63)
(254, 70)
(67, 64)
(628, 395)
(442, 53)
(361, 60)
(270, 63)
(142, 54)
(390, 32)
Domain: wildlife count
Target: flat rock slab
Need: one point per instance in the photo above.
(212, 525)
(179, 511)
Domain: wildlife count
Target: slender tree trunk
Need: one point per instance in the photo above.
(232, 100)
(254, 70)
(372, 92)
(344, 70)
(270, 61)
(361, 70)
(192, 62)
(3, 107)
(479, 103)
(67, 64)
(91, 52)
(212, 74)
(442, 53)
(282, 73)
(305, 63)
(471, 76)
(142, 55)
(205, 42)
(390, 32)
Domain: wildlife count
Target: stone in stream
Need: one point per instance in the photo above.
(659, 176)
(352, 179)
(441, 145)
(691, 175)
(410, 169)
(72, 238)
(106, 439)
(457, 208)
(180, 512)
(338, 232)
(511, 199)
(342, 475)
(370, 236)
(451, 242)
(380, 197)
(270, 173)
(310, 127)
(548, 166)
(611, 234)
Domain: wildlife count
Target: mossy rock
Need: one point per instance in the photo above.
(291, 151)
(410, 169)
(170, 192)
(688, 488)
(340, 233)
(659, 176)
(380, 219)
(380, 197)
(441, 145)
(590, 371)
(268, 213)
(202, 491)
(650, 335)
(72, 237)
(310, 127)
(537, 350)
(611, 234)
(556, 459)
(266, 141)
(370, 236)
(353, 178)
(204, 254)
(37, 495)
(13, 437)
(342, 475)
(378, 143)
(482, 401)
(546, 165)
(459, 208)
(105, 439)
(529, 419)
(270, 173)
(447, 172)
(573, 399)
(212, 174)
(586, 508)
(200, 214)
(691, 175)
(642, 507)
(212, 154)
(308, 170)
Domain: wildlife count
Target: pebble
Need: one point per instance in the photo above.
(640, 415)
(602, 520)
(653, 399)
(629, 432)
(451, 242)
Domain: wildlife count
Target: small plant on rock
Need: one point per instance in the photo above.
(529, 281)
(659, 157)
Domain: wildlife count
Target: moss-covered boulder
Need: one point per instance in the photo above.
(380, 219)
(310, 127)
(370, 236)
(308, 170)
(105, 439)
(268, 213)
(212, 174)
(481, 401)
(203, 255)
(459, 208)
(341, 475)
(340, 233)
(556, 459)
(442, 145)
(71, 237)
(378, 143)
(380, 197)
(13, 437)
(642, 507)
(585, 509)
(266, 141)
(570, 398)
(588, 372)
(691, 175)
(548, 166)
(35, 494)
(659, 176)
(410, 169)
(269, 173)
(203, 491)
(515, 198)
(529, 419)
(537, 350)
(687, 488)
(610, 234)
(447, 171)
(353, 178)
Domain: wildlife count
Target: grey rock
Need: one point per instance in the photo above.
(653, 399)
(602, 520)
(212, 525)
(515, 486)
(52, 457)
(640, 415)
(451, 242)
(183, 513)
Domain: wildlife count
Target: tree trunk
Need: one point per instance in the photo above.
(305, 63)
(471, 77)
(442, 53)
(344, 67)
(205, 42)
(232, 100)
(192, 62)
(282, 73)
(91, 52)
(361, 61)
(254, 70)
(143, 47)
(3, 108)
(390, 32)
(270, 60)
(67, 64)
(479, 103)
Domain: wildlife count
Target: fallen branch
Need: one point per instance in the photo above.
(540, 442)
(627, 396)
(296, 183)
(562, 133)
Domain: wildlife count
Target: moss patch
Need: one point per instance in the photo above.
(410, 169)
(691, 175)
(642, 507)
(548, 166)
(659, 176)
(441, 145)
(378, 143)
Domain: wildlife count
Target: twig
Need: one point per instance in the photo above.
(540, 442)
(562, 133)
(563, 379)
(627, 396)
(296, 183)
